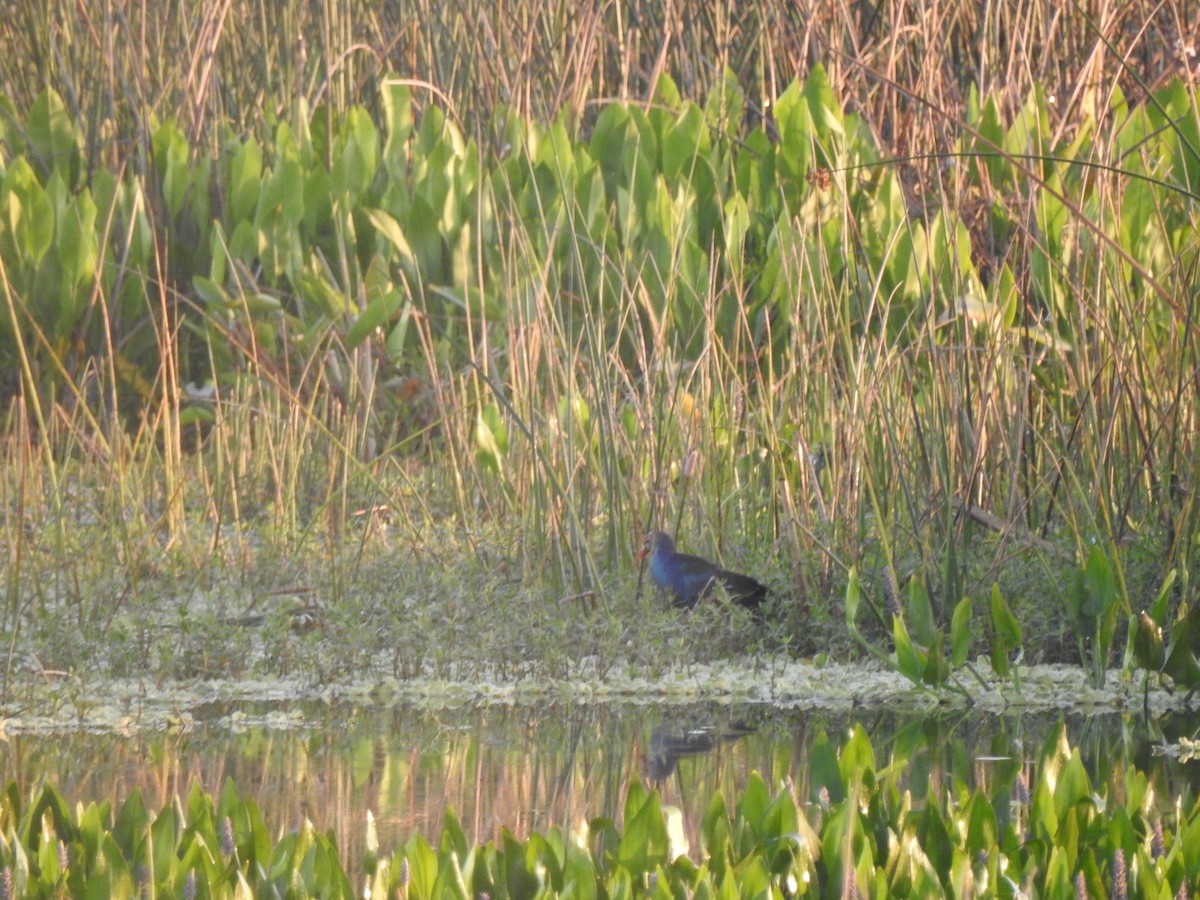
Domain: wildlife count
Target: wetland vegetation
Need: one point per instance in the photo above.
(356, 347)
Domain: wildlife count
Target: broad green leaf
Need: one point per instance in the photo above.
(754, 803)
(1007, 630)
(491, 438)
(114, 880)
(245, 179)
(737, 225)
(644, 843)
(281, 198)
(78, 250)
(27, 223)
(857, 759)
(910, 661)
(450, 883)
(172, 159)
(422, 868)
(54, 140)
(936, 671)
(160, 848)
(1072, 786)
(685, 143)
(853, 599)
(395, 99)
(355, 165)
(714, 827)
(725, 105)
(1158, 609)
(453, 838)
(919, 613)
(960, 632)
(824, 109)
(1182, 658)
(381, 307)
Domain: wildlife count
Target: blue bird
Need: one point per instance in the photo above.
(689, 578)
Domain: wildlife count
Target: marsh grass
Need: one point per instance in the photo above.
(474, 510)
(907, 66)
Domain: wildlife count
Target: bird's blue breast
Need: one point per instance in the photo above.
(685, 586)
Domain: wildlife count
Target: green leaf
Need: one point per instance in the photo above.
(53, 138)
(960, 632)
(47, 852)
(26, 216)
(355, 165)
(714, 827)
(910, 661)
(162, 838)
(824, 109)
(1072, 785)
(93, 824)
(1099, 584)
(980, 817)
(171, 159)
(422, 868)
(685, 143)
(824, 772)
(857, 759)
(450, 882)
(1008, 632)
(380, 309)
(737, 225)
(853, 599)
(991, 139)
(112, 880)
(78, 249)
(1158, 609)
(390, 230)
(919, 613)
(132, 821)
(754, 803)
(644, 843)
(793, 118)
(395, 99)
(453, 838)
(245, 183)
(1181, 664)
(936, 670)
(579, 873)
(491, 438)
(281, 198)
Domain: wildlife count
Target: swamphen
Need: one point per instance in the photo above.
(688, 578)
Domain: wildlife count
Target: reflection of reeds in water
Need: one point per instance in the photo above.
(525, 769)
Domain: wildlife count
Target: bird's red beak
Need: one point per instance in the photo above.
(645, 551)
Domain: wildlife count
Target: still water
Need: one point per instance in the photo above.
(532, 767)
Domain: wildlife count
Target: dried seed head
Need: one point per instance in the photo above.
(891, 591)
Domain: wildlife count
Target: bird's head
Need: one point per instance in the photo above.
(653, 541)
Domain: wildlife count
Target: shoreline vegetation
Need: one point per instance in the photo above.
(1039, 823)
(416, 318)
(923, 361)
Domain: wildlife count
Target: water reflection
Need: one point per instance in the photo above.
(532, 768)
(670, 743)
